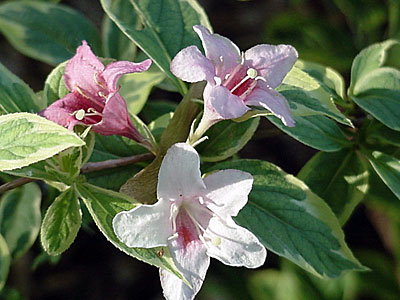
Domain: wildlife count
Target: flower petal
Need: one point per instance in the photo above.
(62, 110)
(234, 245)
(144, 226)
(220, 100)
(224, 54)
(229, 190)
(273, 101)
(115, 70)
(116, 119)
(192, 66)
(193, 261)
(272, 62)
(180, 173)
(81, 69)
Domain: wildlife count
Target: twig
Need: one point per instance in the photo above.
(113, 163)
(87, 168)
(15, 183)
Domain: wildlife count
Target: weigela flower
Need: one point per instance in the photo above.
(94, 99)
(193, 217)
(236, 80)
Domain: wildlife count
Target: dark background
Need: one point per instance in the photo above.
(92, 268)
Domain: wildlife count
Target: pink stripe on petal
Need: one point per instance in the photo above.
(191, 259)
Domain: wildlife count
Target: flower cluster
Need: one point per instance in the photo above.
(193, 216)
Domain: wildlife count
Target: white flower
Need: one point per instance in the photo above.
(193, 217)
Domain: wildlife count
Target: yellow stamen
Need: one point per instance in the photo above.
(216, 241)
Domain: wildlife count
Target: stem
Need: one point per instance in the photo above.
(87, 168)
(15, 183)
(114, 163)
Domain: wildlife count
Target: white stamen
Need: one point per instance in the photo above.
(240, 83)
(92, 112)
(101, 94)
(201, 200)
(218, 80)
(81, 92)
(97, 81)
(221, 59)
(252, 73)
(79, 114)
(199, 141)
(172, 237)
(227, 76)
(173, 213)
(260, 78)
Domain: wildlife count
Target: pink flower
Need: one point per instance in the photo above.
(236, 80)
(94, 99)
(193, 217)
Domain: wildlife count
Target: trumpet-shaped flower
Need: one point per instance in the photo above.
(193, 217)
(94, 99)
(236, 80)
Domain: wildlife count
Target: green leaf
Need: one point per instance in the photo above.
(324, 75)
(381, 283)
(277, 285)
(318, 132)
(293, 283)
(394, 18)
(292, 221)
(20, 218)
(369, 59)
(45, 31)
(340, 178)
(226, 138)
(379, 194)
(37, 170)
(5, 262)
(388, 169)
(16, 95)
(113, 147)
(136, 88)
(115, 43)
(308, 96)
(103, 205)
(158, 126)
(167, 28)
(54, 86)
(28, 138)
(378, 93)
(61, 223)
(155, 109)
(380, 134)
